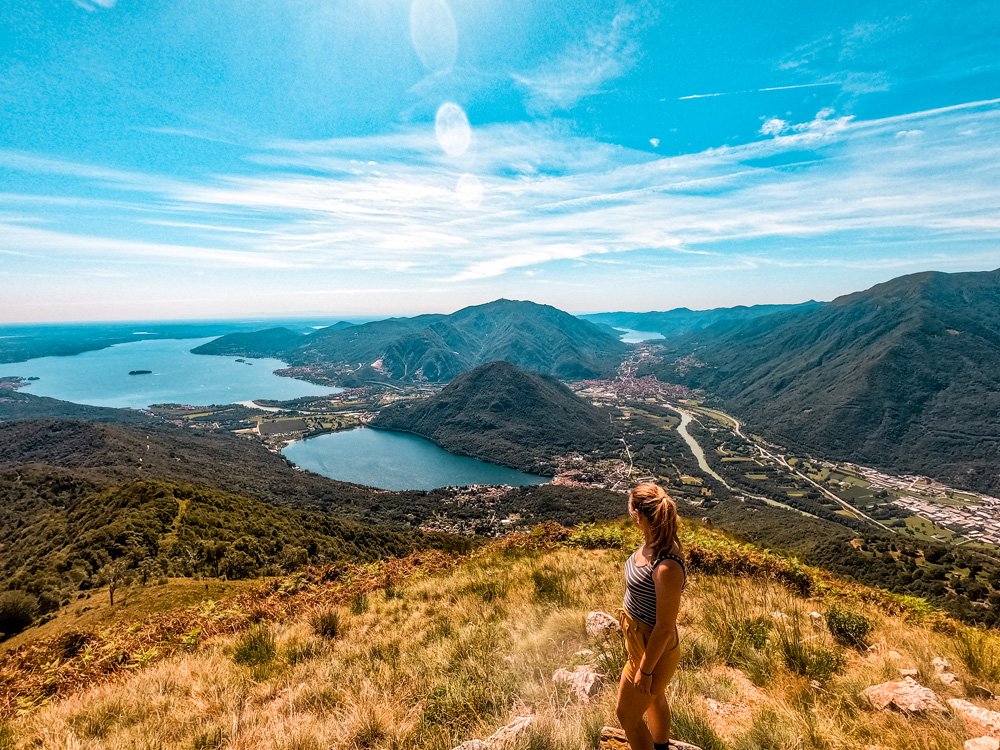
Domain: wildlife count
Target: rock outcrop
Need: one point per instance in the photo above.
(583, 679)
(613, 738)
(906, 695)
(601, 625)
(979, 720)
(983, 743)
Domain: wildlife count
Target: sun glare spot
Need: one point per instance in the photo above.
(434, 35)
(452, 129)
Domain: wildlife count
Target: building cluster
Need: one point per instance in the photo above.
(980, 523)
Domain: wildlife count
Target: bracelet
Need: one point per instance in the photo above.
(648, 674)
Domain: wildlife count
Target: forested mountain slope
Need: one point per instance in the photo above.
(681, 320)
(436, 348)
(905, 375)
(501, 413)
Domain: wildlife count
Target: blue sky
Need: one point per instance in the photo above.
(203, 158)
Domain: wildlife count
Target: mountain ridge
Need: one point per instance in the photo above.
(437, 347)
(503, 414)
(904, 375)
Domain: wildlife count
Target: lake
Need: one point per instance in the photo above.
(634, 337)
(101, 378)
(397, 461)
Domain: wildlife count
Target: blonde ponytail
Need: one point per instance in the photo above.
(651, 501)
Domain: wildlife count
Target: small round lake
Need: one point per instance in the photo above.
(397, 461)
(101, 378)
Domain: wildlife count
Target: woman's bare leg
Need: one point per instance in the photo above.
(658, 717)
(631, 706)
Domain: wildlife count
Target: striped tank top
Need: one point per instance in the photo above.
(640, 592)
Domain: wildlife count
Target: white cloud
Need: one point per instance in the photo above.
(539, 194)
(608, 52)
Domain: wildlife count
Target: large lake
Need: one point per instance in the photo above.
(397, 461)
(101, 378)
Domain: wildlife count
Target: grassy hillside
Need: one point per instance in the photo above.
(503, 414)
(436, 348)
(905, 375)
(433, 650)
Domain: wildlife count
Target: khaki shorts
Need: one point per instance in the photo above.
(636, 635)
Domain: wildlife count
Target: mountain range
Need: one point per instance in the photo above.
(905, 375)
(500, 413)
(681, 320)
(436, 348)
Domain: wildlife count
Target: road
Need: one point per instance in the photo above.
(779, 458)
(699, 454)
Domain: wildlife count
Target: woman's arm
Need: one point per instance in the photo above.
(668, 580)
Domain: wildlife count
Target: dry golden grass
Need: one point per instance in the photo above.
(451, 651)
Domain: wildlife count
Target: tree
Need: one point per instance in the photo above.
(17, 611)
(114, 575)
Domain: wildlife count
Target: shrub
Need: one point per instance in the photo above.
(17, 611)
(847, 627)
(807, 658)
(359, 604)
(591, 536)
(550, 587)
(689, 725)
(255, 647)
(979, 653)
(7, 739)
(611, 655)
(326, 624)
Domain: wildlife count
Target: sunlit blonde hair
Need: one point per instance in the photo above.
(652, 501)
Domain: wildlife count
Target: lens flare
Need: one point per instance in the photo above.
(434, 35)
(452, 129)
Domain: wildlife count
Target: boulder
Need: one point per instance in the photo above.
(983, 743)
(507, 737)
(601, 625)
(583, 679)
(979, 691)
(909, 672)
(979, 720)
(906, 695)
(613, 738)
(816, 619)
(940, 665)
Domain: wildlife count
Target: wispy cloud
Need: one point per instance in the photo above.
(550, 198)
(583, 69)
(758, 91)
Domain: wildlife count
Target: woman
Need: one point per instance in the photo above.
(655, 575)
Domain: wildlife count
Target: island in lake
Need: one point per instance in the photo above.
(140, 372)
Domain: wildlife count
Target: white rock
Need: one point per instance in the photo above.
(507, 736)
(816, 619)
(601, 625)
(779, 616)
(906, 695)
(894, 655)
(983, 743)
(979, 720)
(947, 678)
(473, 745)
(940, 665)
(909, 672)
(584, 680)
